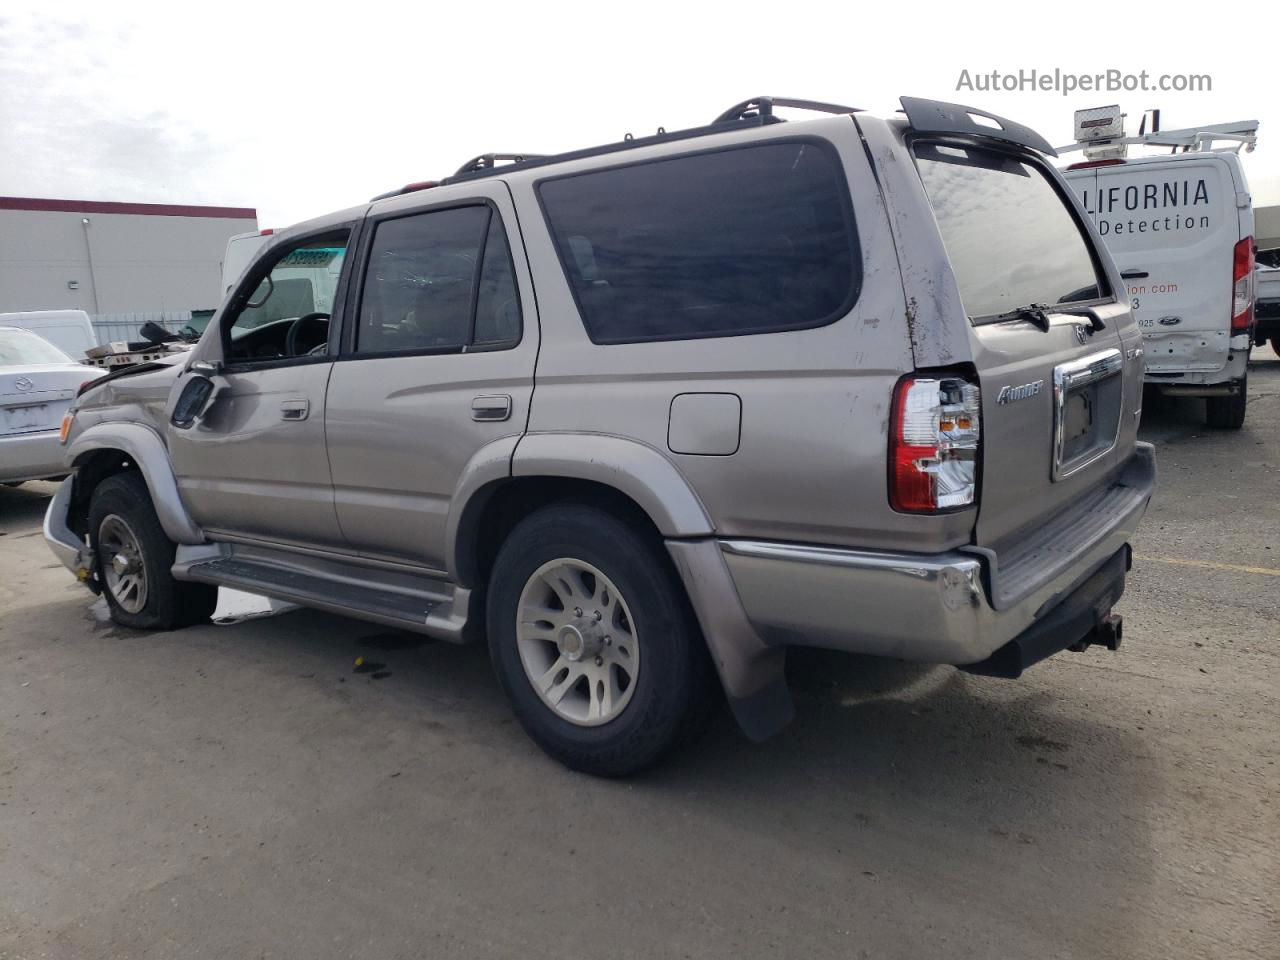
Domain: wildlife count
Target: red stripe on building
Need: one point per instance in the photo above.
(135, 209)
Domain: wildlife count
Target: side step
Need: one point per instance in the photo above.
(438, 614)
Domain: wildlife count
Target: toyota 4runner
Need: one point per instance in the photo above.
(644, 415)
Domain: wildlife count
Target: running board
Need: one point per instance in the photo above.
(440, 612)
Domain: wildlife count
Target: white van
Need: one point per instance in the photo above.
(68, 330)
(241, 249)
(1180, 227)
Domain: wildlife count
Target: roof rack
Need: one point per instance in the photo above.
(627, 143)
(749, 113)
(487, 161)
(763, 107)
(1242, 133)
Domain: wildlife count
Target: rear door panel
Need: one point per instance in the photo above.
(402, 429)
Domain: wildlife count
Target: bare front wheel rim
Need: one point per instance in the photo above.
(577, 642)
(122, 565)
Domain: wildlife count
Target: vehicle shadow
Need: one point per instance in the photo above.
(24, 506)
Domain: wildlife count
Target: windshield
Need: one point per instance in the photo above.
(1010, 237)
(19, 348)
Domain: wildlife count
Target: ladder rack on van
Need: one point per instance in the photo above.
(1243, 133)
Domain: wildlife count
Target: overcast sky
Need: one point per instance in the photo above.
(298, 109)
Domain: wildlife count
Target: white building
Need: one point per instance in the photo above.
(113, 259)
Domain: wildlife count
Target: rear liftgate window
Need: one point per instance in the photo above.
(1011, 240)
(750, 240)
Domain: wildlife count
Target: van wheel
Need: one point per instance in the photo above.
(133, 557)
(1227, 413)
(1275, 344)
(594, 641)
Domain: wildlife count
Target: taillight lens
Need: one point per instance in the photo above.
(933, 455)
(1242, 287)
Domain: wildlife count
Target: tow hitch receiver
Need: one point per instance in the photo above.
(1107, 633)
(1077, 622)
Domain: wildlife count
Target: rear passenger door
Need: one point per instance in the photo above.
(436, 365)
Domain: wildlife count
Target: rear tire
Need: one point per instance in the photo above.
(605, 694)
(133, 559)
(1275, 344)
(1227, 413)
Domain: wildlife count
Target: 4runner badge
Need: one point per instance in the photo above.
(1010, 394)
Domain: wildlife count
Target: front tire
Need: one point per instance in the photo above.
(594, 641)
(133, 559)
(1227, 413)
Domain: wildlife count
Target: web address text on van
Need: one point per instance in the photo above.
(1066, 83)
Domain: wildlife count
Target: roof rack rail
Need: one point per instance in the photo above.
(628, 142)
(763, 107)
(487, 161)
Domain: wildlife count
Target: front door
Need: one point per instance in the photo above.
(439, 364)
(254, 463)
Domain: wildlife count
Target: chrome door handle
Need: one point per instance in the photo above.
(294, 409)
(494, 408)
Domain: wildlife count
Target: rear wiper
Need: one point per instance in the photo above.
(1035, 312)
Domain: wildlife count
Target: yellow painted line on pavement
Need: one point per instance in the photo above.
(1210, 565)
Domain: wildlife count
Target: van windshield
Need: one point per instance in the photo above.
(19, 348)
(1009, 235)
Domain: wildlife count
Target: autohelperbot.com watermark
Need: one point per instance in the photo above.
(1066, 82)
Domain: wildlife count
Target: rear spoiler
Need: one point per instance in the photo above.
(935, 116)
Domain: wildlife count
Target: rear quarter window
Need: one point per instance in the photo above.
(1010, 236)
(754, 239)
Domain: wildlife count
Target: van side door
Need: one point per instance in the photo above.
(436, 366)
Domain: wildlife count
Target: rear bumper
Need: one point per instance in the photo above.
(959, 607)
(1191, 380)
(31, 456)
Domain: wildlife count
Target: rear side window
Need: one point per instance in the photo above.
(20, 348)
(439, 282)
(751, 240)
(1010, 237)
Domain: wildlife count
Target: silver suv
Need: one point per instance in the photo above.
(644, 415)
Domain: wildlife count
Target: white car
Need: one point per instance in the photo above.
(37, 384)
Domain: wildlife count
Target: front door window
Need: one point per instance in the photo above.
(288, 311)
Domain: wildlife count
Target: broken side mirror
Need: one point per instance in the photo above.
(191, 402)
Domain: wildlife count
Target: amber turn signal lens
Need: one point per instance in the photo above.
(66, 427)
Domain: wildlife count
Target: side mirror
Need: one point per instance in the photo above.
(205, 368)
(192, 401)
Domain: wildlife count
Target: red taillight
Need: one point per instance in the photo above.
(1088, 164)
(1242, 264)
(419, 185)
(933, 445)
(267, 232)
